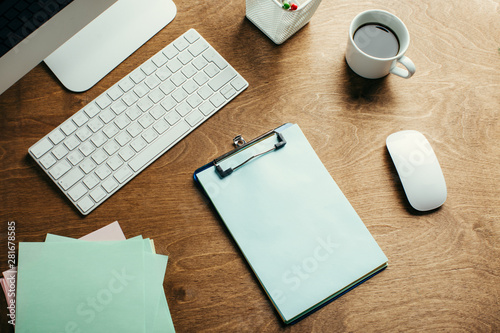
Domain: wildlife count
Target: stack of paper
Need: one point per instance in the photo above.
(69, 285)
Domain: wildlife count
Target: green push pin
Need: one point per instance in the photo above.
(286, 5)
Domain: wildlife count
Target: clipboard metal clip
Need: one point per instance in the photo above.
(240, 143)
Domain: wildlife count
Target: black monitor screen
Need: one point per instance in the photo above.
(19, 18)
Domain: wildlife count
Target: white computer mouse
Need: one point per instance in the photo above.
(418, 169)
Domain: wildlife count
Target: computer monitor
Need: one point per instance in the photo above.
(80, 40)
(31, 30)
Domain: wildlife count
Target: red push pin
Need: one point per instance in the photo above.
(293, 6)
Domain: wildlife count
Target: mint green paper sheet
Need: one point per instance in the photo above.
(81, 287)
(157, 314)
(293, 224)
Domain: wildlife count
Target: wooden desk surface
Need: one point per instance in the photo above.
(444, 266)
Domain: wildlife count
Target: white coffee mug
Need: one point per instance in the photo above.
(369, 66)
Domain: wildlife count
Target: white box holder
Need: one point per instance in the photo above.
(278, 23)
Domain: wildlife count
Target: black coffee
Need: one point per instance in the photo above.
(376, 40)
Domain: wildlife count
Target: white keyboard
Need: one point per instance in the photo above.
(117, 135)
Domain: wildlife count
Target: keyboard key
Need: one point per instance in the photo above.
(114, 162)
(71, 142)
(238, 83)
(174, 65)
(107, 115)
(133, 113)
(47, 161)
(228, 91)
(91, 110)
(87, 166)
(87, 148)
(156, 95)
(170, 51)
(199, 63)
(211, 70)
(99, 157)
(201, 78)
(141, 90)
(192, 35)
(167, 87)
(178, 79)
(102, 172)
(126, 153)
(123, 138)
(159, 59)
(149, 135)
(190, 86)
(163, 142)
(77, 192)
(41, 147)
(161, 126)
(91, 181)
(70, 178)
(207, 108)
(111, 147)
(59, 169)
(138, 144)
(112, 129)
(146, 120)
(181, 43)
(98, 194)
(122, 121)
(56, 136)
(118, 107)
(222, 78)
(109, 184)
(75, 157)
(99, 139)
(168, 103)
(60, 151)
(185, 57)
(137, 76)
(194, 118)
(212, 55)
(179, 95)
(145, 104)
(217, 100)
(157, 112)
(183, 109)
(163, 73)
(205, 92)
(152, 82)
(148, 67)
(103, 101)
(83, 133)
(123, 174)
(134, 130)
(68, 127)
(194, 100)
(197, 48)
(85, 204)
(172, 117)
(80, 118)
(130, 98)
(115, 92)
(95, 124)
(126, 84)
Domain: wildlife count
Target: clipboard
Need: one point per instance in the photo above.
(298, 232)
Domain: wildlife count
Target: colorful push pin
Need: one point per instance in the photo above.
(293, 6)
(286, 5)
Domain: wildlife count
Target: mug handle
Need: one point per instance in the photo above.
(404, 73)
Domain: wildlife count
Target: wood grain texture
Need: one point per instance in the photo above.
(444, 266)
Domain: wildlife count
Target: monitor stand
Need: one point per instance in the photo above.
(108, 40)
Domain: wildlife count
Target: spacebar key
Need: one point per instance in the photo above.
(160, 145)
